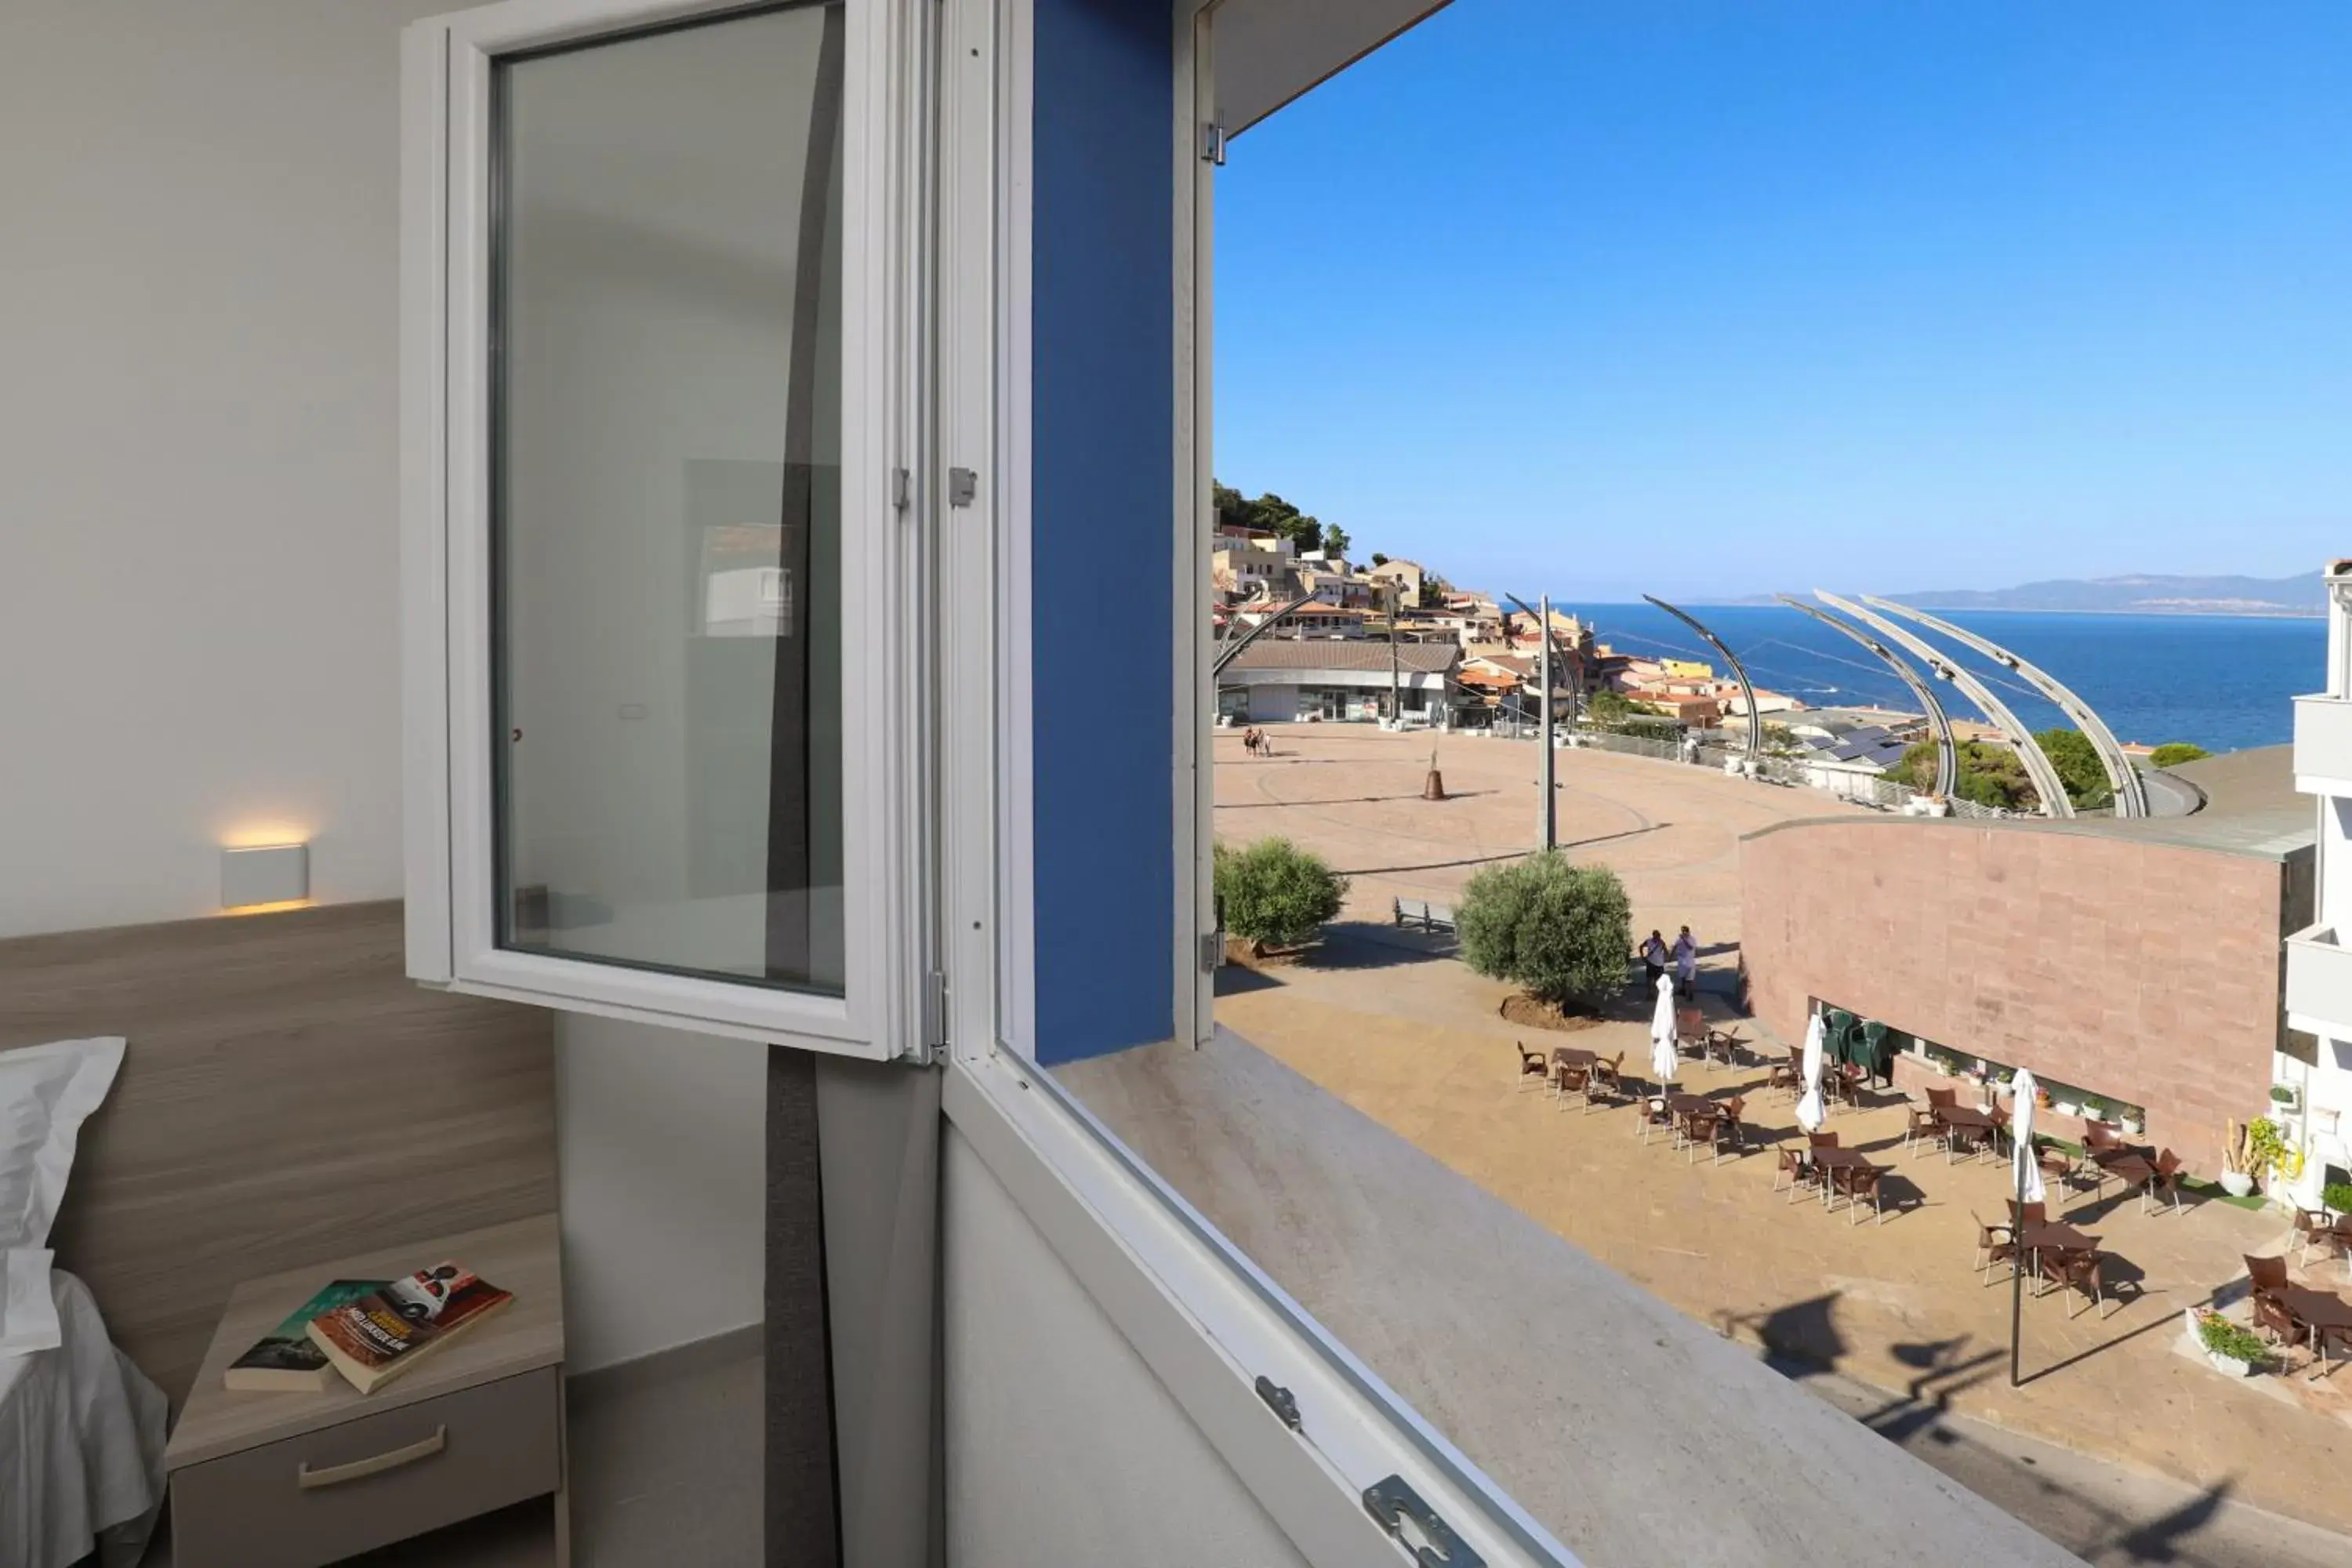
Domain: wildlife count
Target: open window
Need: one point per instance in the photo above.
(654, 430)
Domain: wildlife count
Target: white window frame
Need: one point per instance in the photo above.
(450, 874)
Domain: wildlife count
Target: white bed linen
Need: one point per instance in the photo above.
(81, 1444)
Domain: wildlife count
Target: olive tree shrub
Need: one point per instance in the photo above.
(1562, 931)
(1274, 894)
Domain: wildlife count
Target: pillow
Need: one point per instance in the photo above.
(45, 1091)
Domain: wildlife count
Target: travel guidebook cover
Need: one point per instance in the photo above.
(374, 1338)
(284, 1360)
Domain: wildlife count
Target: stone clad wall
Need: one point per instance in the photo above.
(2147, 971)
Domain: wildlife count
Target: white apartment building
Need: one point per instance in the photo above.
(2318, 965)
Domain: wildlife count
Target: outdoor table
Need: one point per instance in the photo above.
(2328, 1316)
(1573, 1057)
(2054, 1236)
(1975, 1120)
(1833, 1160)
(2129, 1169)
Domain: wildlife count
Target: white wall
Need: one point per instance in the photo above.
(1062, 1445)
(196, 449)
(198, 223)
(663, 1143)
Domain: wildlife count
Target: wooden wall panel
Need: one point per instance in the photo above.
(288, 1095)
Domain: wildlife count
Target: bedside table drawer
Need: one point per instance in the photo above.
(345, 1488)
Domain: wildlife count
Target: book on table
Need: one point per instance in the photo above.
(284, 1360)
(380, 1335)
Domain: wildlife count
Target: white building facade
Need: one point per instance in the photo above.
(2316, 1113)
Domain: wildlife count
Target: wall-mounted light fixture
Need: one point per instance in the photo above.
(265, 875)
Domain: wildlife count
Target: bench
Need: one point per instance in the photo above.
(1423, 915)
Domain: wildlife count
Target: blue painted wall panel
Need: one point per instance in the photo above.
(1104, 477)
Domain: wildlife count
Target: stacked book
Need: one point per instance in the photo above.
(365, 1331)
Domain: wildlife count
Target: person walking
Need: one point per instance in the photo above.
(1654, 957)
(1686, 962)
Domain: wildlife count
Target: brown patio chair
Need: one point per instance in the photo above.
(1699, 1127)
(1922, 1123)
(2034, 1213)
(1822, 1140)
(1958, 1140)
(1532, 1065)
(1943, 1098)
(2083, 1271)
(1801, 1172)
(2164, 1187)
(1572, 1079)
(1785, 1076)
(2057, 1163)
(2314, 1227)
(1655, 1114)
(2271, 1317)
(2267, 1274)
(1735, 1125)
(1606, 1078)
(1690, 1031)
(1995, 1244)
(1861, 1182)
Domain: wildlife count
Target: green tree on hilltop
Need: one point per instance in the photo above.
(1989, 774)
(2079, 769)
(2172, 753)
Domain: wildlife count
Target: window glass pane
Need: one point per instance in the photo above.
(668, 500)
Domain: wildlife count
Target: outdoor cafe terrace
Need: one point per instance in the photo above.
(1881, 1248)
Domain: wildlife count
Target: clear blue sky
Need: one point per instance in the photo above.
(1710, 297)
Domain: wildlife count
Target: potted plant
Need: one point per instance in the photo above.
(2231, 1347)
(2134, 1121)
(2094, 1111)
(2041, 1098)
(2267, 1149)
(2338, 1198)
(2287, 1098)
(2237, 1177)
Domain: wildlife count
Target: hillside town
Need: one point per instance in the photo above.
(1392, 641)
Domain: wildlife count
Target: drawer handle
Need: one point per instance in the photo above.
(336, 1475)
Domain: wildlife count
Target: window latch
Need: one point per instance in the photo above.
(963, 487)
(1279, 1400)
(1417, 1527)
(1213, 951)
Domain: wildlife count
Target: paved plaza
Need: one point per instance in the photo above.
(1392, 1026)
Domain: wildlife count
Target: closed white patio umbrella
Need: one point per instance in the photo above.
(1810, 1111)
(2026, 1173)
(1665, 1060)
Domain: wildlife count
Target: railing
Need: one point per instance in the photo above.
(1792, 771)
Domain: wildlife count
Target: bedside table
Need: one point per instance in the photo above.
(293, 1480)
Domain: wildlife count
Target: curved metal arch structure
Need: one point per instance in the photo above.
(2046, 782)
(1947, 755)
(1231, 649)
(2130, 790)
(1747, 687)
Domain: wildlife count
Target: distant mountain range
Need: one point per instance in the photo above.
(2139, 595)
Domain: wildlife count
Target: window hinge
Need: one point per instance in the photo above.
(902, 490)
(1279, 1400)
(1212, 952)
(935, 1010)
(1212, 143)
(1396, 1505)
(963, 487)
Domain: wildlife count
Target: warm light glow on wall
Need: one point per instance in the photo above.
(257, 878)
(265, 835)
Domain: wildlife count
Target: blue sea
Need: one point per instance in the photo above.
(2222, 681)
